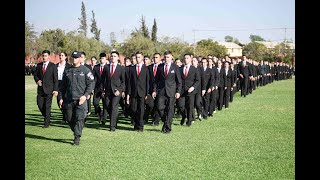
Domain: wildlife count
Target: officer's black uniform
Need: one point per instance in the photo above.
(76, 82)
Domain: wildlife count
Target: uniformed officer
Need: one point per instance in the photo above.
(76, 85)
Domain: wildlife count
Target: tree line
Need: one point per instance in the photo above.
(57, 40)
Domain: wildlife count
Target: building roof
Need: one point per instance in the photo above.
(268, 44)
(272, 44)
(230, 45)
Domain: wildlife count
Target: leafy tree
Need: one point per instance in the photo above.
(137, 43)
(52, 40)
(94, 29)
(254, 38)
(154, 31)
(30, 39)
(83, 20)
(175, 45)
(231, 39)
(91, 47)
(283, 52)
(144, 29)
(255, 51)
(112, 38)
(228, 38)
(208, 46)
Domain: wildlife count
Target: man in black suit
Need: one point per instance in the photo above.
(206, 86)
(234, 77)
(221, 85)
(46, 77)
(61, 67)
(138, 86)
(244, 73)
(167, 88)
(90, 65)
(214, 89)
(151, 107)
(113, 83)
(229, 81)
(126, 108)
(197, 98)
(82, 62)
(190, 80)
(97, 73)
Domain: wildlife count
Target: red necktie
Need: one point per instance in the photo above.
(111, 73)
(43, 68)
(138, 70)
(101, 70)
(186, 72)
(166, 70)
(155, 70)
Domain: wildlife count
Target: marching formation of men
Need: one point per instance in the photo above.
(148, 88)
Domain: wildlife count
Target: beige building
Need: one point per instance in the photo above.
(234, 50)
(271, 44)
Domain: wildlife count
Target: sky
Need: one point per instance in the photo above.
(188, 20)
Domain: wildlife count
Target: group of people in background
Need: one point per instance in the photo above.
(148, 89)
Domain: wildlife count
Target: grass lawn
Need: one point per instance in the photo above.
(253, 139)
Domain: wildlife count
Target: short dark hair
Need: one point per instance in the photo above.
(167, 52)
(116, 52)
(156, 54)
(46, 51)
(139, 52)
(147, 57)
(82, 52)
(93, 57)
(102, 55)
(64, 53)
(133, 55)
(187, 55)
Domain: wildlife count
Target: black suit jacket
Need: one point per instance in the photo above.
(234, 77)
(206, 78)
(49, 78)
(244, 70)
(222, 75)
(216, 77)
(151, 78)
(138, 85)
(228, 78)
(97, 77)
(192, 79)
(170, 84)
(116, 82)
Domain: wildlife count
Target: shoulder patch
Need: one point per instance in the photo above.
(90, 75)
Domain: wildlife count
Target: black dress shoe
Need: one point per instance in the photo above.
(103, 122)
(182, 121)
(112, 130)
(45, 126)
(76, 140)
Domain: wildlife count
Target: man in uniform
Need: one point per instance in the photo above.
(76, 86)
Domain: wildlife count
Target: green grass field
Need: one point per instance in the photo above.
(253, 139)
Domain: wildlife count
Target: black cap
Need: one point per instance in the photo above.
(75, 54)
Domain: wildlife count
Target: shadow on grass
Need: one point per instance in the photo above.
(36, 119)
(67, 141)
